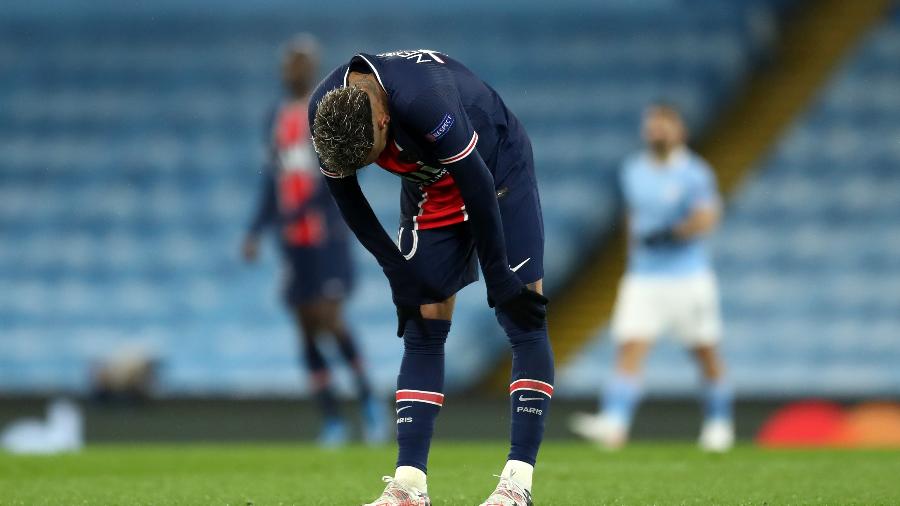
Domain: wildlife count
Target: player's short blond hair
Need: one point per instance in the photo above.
(342, 130)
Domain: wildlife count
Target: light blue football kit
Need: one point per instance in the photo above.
(659, 196)
(669, 287)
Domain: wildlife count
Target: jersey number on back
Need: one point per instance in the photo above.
(420, 55)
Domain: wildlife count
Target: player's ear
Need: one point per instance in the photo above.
(384, 121)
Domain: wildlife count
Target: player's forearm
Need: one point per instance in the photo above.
(267, 206)
(702, 221)
(476, 185)
(361, 220)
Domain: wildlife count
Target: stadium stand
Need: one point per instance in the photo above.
(807, 254)
(131, 151)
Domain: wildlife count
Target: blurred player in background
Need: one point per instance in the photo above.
(672, 206)
(469, 195)
(318, 272)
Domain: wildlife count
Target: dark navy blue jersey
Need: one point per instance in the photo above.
(453, 142)
(440, 112)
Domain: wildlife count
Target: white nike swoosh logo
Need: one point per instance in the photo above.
(514, 269)
(526, 399)
(401, 409)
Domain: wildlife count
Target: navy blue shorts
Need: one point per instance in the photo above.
(447, 256)
(317, 273)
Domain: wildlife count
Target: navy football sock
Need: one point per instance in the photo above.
(313, 358)
(530, 389)
(328, 402)
(718, 401)
(419, 390)
(347, 347)
(621, 398)
(321, 379)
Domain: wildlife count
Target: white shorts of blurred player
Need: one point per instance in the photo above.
(686, 307)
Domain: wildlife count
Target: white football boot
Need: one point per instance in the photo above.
(717, 436)
(508, 493)
(611, 434)
(397, 494)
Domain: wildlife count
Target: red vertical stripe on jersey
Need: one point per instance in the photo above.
(296, 185)
(442, 204)
(292, 125)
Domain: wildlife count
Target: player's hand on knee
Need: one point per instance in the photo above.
(408, 287)
(409, 313)
(527, 308)
(408, 291)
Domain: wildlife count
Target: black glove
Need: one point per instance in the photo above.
(528, 309)
(662, 238)
(408, 290)
(407, 313)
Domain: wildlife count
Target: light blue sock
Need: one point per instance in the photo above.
(621, 397)
(718, 401)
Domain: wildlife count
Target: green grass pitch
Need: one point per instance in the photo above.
(567, 474)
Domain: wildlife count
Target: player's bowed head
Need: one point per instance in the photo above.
(351, 126)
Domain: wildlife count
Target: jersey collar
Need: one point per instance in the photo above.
(369, 61)
(677, 158)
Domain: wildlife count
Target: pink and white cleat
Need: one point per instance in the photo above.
(396, 494)
(509, 493)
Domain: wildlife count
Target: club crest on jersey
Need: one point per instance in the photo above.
(442, 128)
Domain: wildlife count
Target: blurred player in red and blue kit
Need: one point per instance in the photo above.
(318, 272)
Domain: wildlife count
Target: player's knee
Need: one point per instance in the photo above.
(709, 362)
(423, 343)
(439, 310)
(311, 333)
(517, 334)
(426, 337)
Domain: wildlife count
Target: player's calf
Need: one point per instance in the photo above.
(419, 397)
(530, 391)
(717, 433)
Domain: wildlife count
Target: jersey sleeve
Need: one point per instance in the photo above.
(266, 211)
(406, 285)
(703, 192)
(439, 118)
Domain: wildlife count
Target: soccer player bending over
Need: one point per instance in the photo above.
(469, 195)
(672, 205)
(314, 246)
